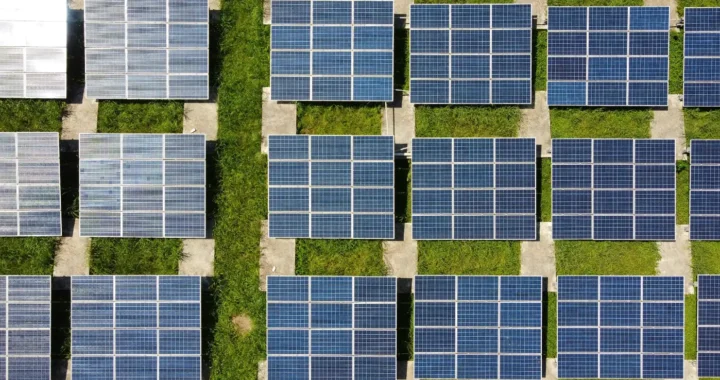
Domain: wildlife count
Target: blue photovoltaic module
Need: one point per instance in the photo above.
(337, 50)
(331, 187)
(626, 327)
(331, 328)
(605, 189)
(702, 58)
(608, 56)
(478, 327)
(474, 189)
(705, 190)
(708, 330)
(470, 54)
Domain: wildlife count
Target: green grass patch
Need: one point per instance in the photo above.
(403, 192)
(540, 59)
(135, 256)
(682, 4)
(339, 119)
(600, 123)
(550, 337)
(676, 62)
(26, 115)
(705, 257)
(339, 257)
(30, 256)
(402, 65)
(469, 257)
(545, 193)
(606, 257)
(594, 3)
(701, 124)
(140, 117)
(466, 121)
(683, 192)
(690, 327)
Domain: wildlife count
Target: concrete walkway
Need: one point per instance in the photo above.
(537, 258)
(676, 257)
(82, 115)
(550, 369)
(536, 123)
(277, 256)
(670, 124)
(201, 117)
(71, 258)
(198, 258)
(401, 255)
(398, 120)
(278, 118)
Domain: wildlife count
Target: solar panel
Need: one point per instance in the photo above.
(708, 330)
(605, 189)
(470, 54)
(33, 39)
(142, 185)
(705, 190)
(331, 187)
(331, 327)
(628, 327)
(478, 327)
(25, 327)
(702, 58)
(331, 50)
(474, 189)
(147, 49)
(608, 56)
(136, 327)
(30, 184)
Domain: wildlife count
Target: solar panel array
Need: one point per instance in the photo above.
(474, 189)
(608, 56)
(146, 49)
(33, 47)
(708, 333)
(331, 187)
(331, 327)
(142, 185)
(30, 184)
(626, 327)
(136, 327)
(332, 50)
(25, 327)
(605, 189)
(471, 54)
(478, 327)
(702, 57)
(705, 190)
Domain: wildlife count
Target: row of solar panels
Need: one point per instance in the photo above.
(122, 327)
(488, 327)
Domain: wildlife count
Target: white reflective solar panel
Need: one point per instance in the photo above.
(25, 327)
(147, 49)
(142, 185)
(30, 184)
(136, 327)
(33, 51)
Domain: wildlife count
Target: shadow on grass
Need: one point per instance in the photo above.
(60, 327)
(402, 191)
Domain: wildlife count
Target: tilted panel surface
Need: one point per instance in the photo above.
(30, 184)
(701, 84)
(478, 327)
(136, 327)
(25, 310)
(331, 50)
(474, 189)
(33, 47)
(608, 56)
(708, 329)
(470, 54)
(705, 190)
(331, 187)
(142, 185)
(147, 49)
(606, 189)
(331, 327)
(627, 327)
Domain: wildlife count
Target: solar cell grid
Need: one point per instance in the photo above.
(620, 327)
(470, 54)
(142, 185)
(608, 56)
(702, 58)
(331, 327)
(705, 190)
(474, 189)
(147, 49)
(30, 184)
(145, 327)
(608, 189)
(331, 187)
(478, 327)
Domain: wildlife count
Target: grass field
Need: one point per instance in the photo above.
(551, 324)
(676, 63)
(705, 258)
(597, 3)
(466, 121)
(339, 257)
(600, 123)
(339, 119)
(140, 117)
(469, 257)
(31, 115)
(606, 257)
(683, 192)
(690, 327)
(545, 192)
(701, 124)
(540, 59)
